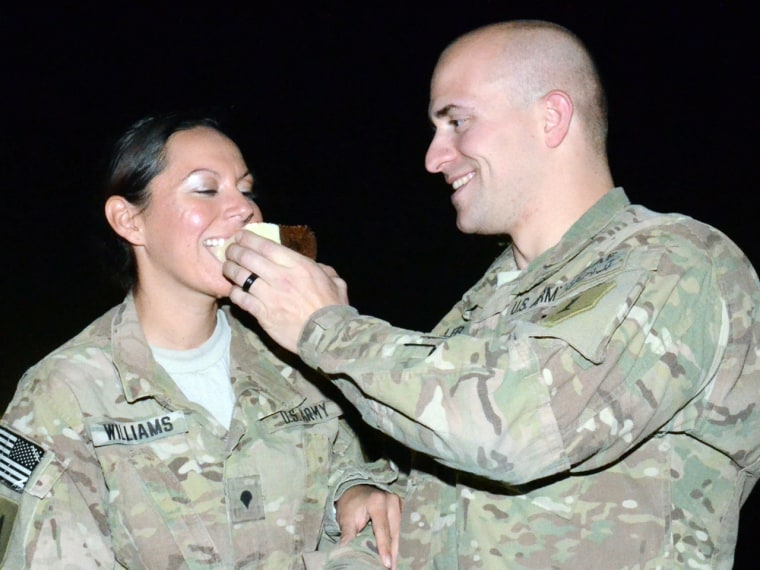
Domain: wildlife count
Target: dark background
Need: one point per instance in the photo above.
(329, 106)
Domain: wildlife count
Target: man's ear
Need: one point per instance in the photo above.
(124, 218)
(558, 114)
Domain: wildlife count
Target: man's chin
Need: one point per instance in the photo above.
(464, 226)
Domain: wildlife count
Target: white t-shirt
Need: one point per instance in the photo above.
(203, 373)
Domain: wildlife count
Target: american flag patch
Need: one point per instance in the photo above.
(18, 457)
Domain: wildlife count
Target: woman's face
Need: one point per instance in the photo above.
(204, 192)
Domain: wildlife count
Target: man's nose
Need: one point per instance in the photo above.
(440, 152)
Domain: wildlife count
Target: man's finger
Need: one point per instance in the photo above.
(247, 302)
(271, 250)
(236, 273)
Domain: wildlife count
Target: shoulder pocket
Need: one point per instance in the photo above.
(26, 466)
(588, 314)
(586, 319)
(46, 475)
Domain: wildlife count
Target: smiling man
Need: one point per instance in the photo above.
(591, 402)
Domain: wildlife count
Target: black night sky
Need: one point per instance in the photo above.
(328, 103)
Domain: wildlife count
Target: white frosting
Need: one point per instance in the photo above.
(264, 229)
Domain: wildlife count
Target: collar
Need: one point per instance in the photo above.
(575, 240)
(141, 376)
(253, 366)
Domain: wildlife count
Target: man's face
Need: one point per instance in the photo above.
(484, 145)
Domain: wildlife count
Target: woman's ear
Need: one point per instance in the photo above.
(559, 112)
(124, 218)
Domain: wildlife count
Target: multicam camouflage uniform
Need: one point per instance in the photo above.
(598, 409)
(125, 472)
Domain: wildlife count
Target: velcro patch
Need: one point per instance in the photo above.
(304, 413)
(244, 499)
(18, 458)
(585, 301)
(143, 431)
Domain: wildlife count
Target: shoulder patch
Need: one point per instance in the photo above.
(585, 301)
(18, 458)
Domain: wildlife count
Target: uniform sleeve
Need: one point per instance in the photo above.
(350, 469)
(577, 387)
(58, 513)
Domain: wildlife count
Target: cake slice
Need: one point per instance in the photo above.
(297, 238)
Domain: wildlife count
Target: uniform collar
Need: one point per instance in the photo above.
(253, 366)
(141, 376)
(575, 240)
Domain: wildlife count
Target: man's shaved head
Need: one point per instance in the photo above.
(534, 58)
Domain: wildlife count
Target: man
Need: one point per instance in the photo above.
(591, 401)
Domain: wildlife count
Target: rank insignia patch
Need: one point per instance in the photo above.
(245, 500)
(580, 303)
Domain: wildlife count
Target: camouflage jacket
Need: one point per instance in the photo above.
(598, 409)
(105, 463)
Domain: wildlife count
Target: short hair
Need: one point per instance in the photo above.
(542, 56)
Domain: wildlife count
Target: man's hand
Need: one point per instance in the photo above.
(363, 503)
(288, 289)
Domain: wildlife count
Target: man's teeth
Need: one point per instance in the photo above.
(214, 242)
(459, 182)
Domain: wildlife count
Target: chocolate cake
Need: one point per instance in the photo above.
(300, 239)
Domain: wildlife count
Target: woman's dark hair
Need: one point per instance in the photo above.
(139, 156)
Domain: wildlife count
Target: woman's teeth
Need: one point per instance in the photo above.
(214, 242)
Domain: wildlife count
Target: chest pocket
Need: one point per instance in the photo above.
(159, 487)
(299, 446)
(312, 428)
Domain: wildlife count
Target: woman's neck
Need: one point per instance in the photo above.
(175, 322)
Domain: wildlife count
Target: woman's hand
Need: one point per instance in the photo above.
(362, 504)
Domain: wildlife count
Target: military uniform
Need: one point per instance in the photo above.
(598, 409)
(106, 464)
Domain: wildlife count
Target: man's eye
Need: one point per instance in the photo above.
(456, 122)
(207, 192)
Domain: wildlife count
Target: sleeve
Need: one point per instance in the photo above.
(579, 386)
(350, 468)
(58, 517)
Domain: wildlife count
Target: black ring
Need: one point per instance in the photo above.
(248, 282)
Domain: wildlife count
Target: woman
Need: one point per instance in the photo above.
(166, 434)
